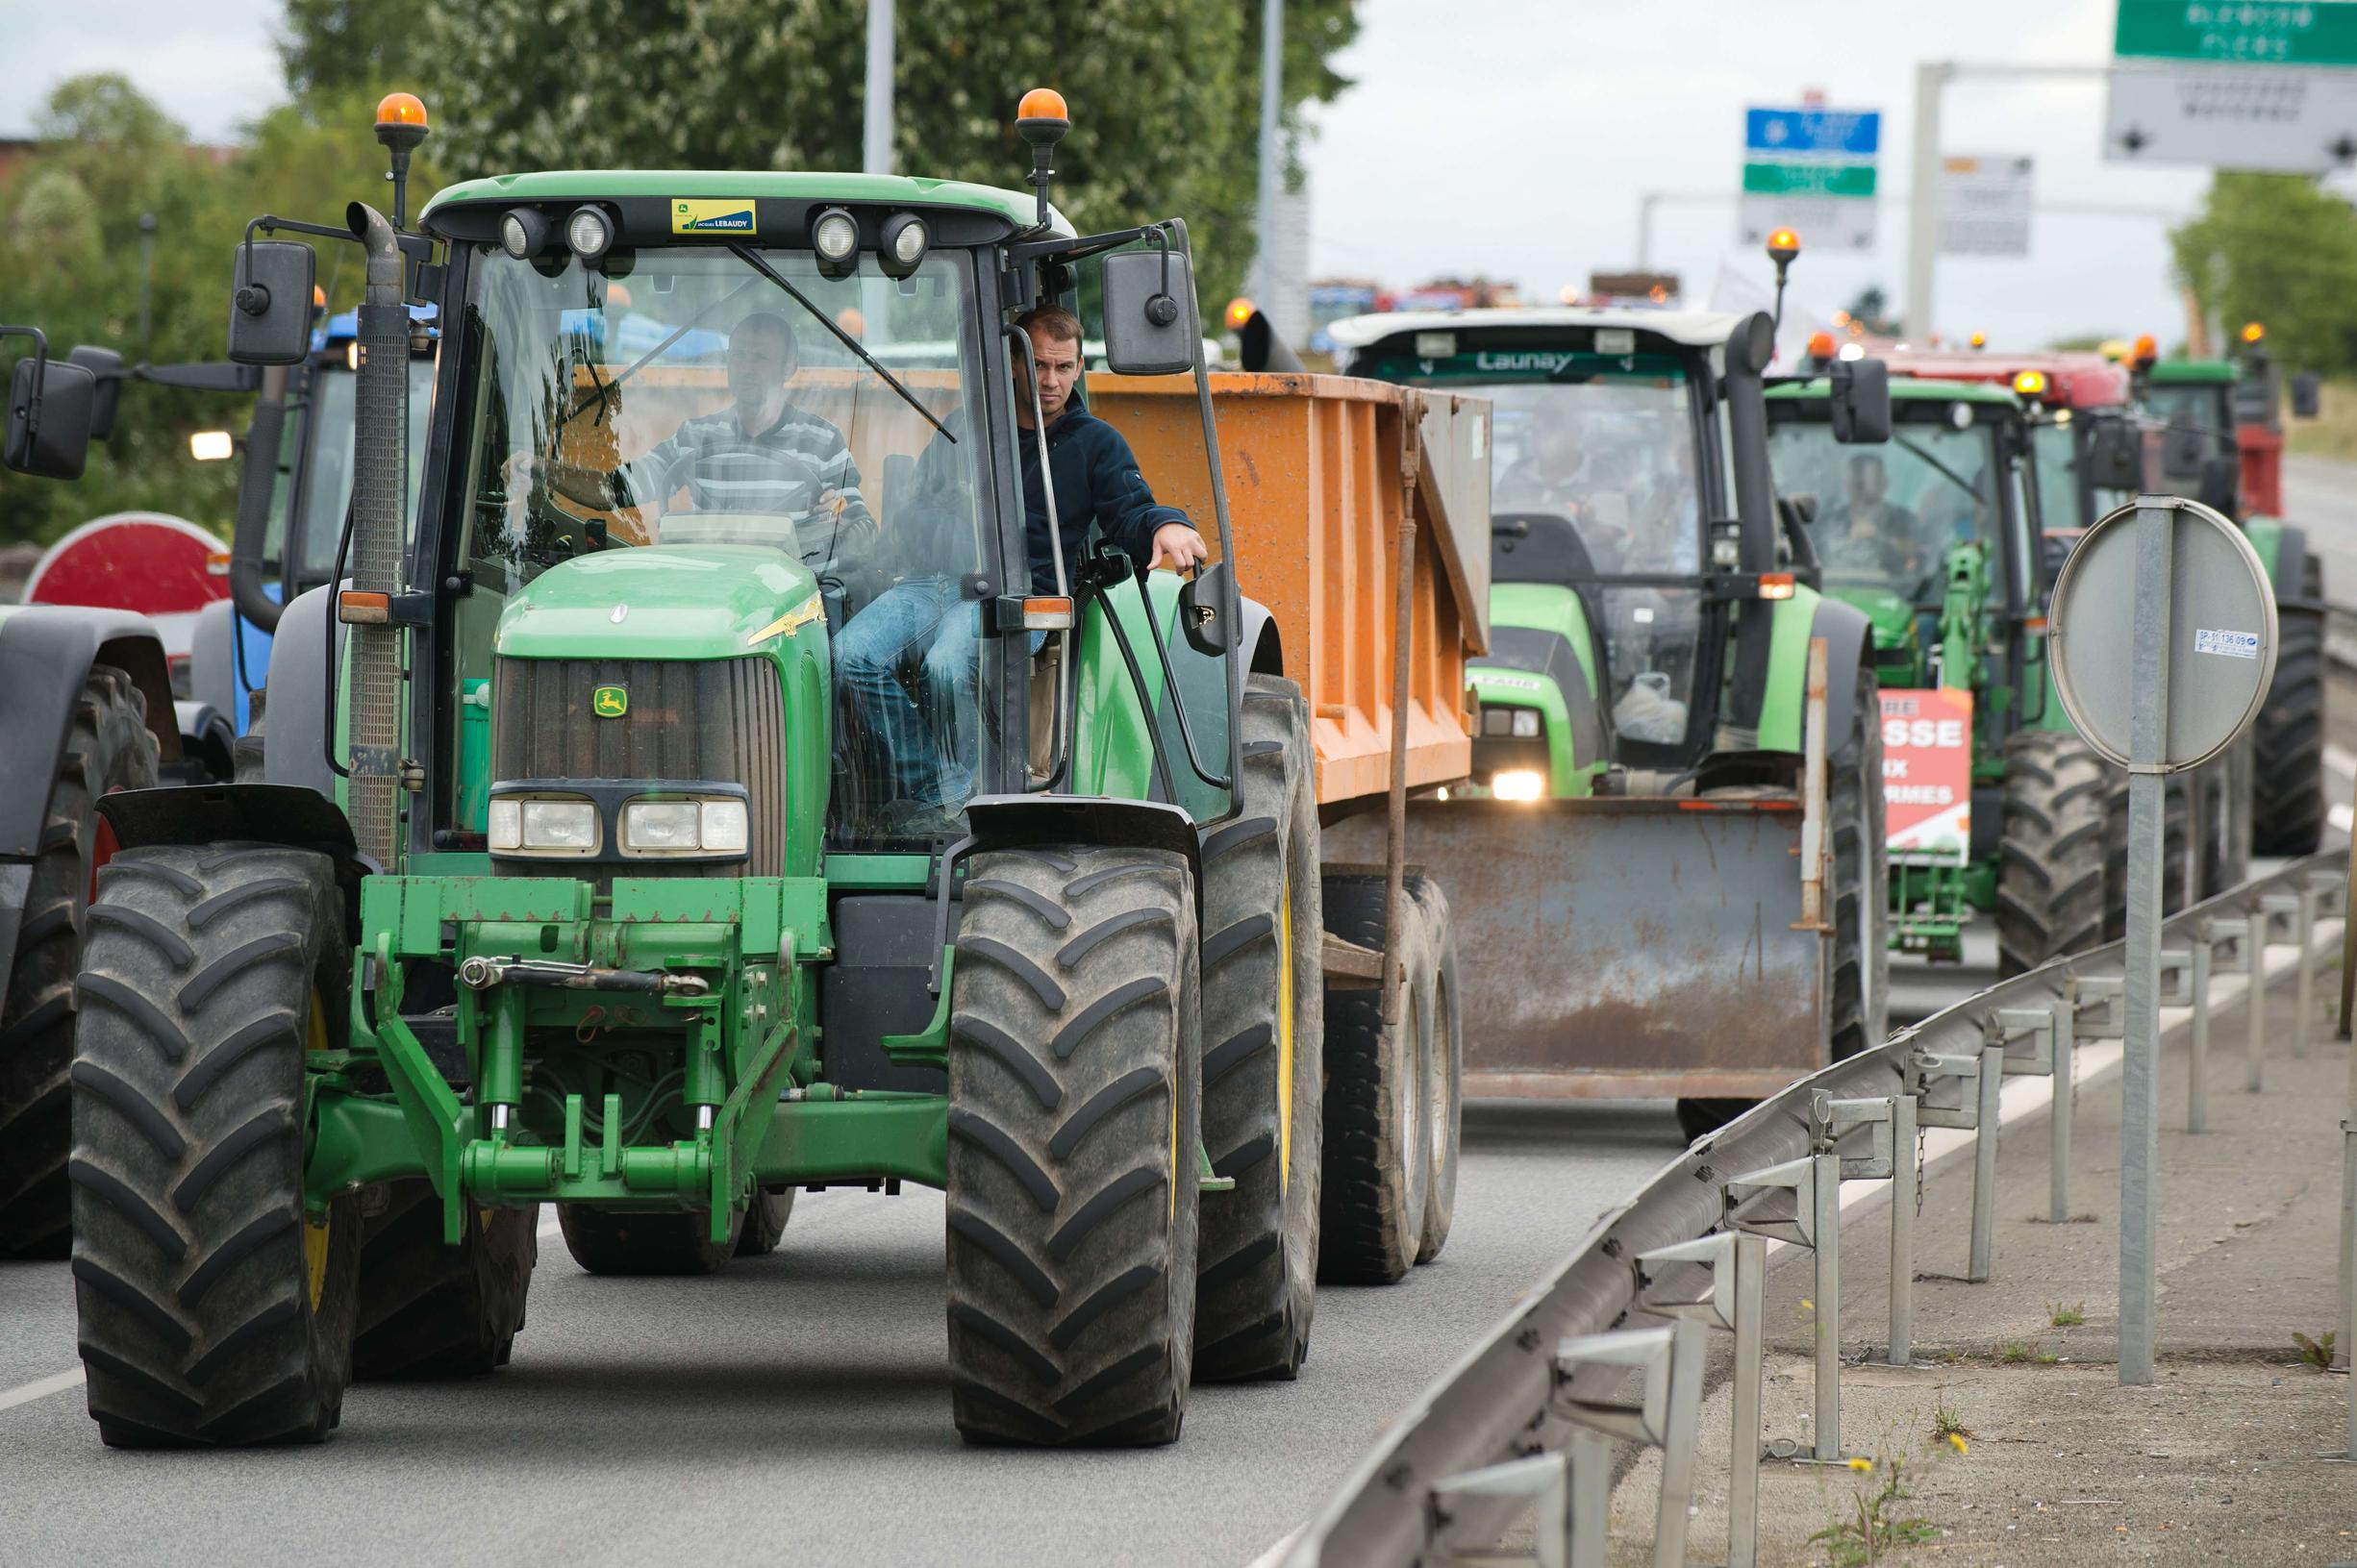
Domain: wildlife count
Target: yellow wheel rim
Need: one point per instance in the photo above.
(1285, 1034)
(315, 1237)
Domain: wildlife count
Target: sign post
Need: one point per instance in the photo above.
(2163, 640)
(1810, 169)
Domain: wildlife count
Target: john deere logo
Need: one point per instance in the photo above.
(610, 702)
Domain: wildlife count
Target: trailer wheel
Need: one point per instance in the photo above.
(1264, 1052)
(2288, 736)
(1378, 1166)
(637, 1242)
(2053, 855)
(1075, 1080)
(108, 748)
(213, 1308)
(1441, 1034)
(430, 1309)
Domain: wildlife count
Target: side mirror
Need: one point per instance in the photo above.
(50, 405)
(2114, 457)
(2307, 395)
(2221, 480)
(106, 367)
(1861, 390)
(1200, 616)
(1150, 327)
(2184, 452)
(269, 315)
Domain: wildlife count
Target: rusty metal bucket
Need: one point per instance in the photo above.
(1624, 947)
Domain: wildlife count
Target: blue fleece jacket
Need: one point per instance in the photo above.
(1096, 482)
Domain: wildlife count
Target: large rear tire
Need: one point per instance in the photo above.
(1264, 1029)
(2288, 736)
(108, 748)
(1861, 891)
(1075, 1077)
(213, 1308)
(2053, 855)
(1378, 1165)
(430, 1309)
(1440, 1028)
(628, 1242)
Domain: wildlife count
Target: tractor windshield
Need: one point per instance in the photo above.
(1887, 516)
(2060, 447)
(697, 397)
(319, 463)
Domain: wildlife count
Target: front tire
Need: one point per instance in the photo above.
(635, 1242)
(1075, 1075)
(2053, 855)
(2288, 736)
(109, 748)
(214, 1308)
(430, 1309)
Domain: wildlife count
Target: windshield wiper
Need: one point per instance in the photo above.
(608, 388)
(1950, 474)
(752, 258)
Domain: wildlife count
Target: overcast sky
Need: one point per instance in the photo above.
(1516, 137)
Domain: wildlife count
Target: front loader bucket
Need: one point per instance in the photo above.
(1622, 948)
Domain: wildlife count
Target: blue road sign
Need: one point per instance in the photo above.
(1812, 133)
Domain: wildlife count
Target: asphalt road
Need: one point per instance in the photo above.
(794, 1408)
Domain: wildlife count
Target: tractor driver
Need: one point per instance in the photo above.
(928, 757)
(761, 454)
(1870, 533)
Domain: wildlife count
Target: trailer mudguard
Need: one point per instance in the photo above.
(45, 656)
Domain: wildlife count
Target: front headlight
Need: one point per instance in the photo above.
(565, 826)
(685, 827)
(1518, 784)
(1526, 723)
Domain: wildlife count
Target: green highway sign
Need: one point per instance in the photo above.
(1781, 179)
(2239, 32)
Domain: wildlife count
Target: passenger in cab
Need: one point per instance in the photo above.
(929, 754)
(761, 455)
(1869, 532)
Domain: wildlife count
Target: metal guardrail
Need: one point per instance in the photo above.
(1528, 1417)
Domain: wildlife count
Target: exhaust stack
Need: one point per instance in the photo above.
(380, 475)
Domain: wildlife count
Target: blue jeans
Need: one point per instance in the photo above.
(927, 755)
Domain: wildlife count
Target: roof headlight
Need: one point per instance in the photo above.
(588, 232)
(904, 242)
(523, 233)
(835, 236)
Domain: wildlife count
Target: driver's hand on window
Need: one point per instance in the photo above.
(518, 471)
(1178, 547)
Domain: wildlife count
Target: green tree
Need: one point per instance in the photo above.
(1163, 95)
(368, 47)
(1871, 310)
(2276, 248)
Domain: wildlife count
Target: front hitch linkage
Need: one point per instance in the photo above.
(481, 973)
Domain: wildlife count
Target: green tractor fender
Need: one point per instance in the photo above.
(1848, 637)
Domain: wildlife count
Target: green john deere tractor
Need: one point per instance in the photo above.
(573, 877)
(2224, 429)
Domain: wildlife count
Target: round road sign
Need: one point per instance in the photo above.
(2216, 659)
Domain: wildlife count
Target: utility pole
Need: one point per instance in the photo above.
(1931, 78)
(1272, 99)
(876, 131)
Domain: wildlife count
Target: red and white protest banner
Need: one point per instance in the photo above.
(1927, 774)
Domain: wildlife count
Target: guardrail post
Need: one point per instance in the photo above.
(1814, 1182)
(2237, 933)
(2272, 907)
(2197, 1081)
(1548, 1480)
(2307, 968)
(1977, 1114)
(1671, 1359)
(1890, 1157)
(1737, 1265)
(2088, 990)
(2052, 1056)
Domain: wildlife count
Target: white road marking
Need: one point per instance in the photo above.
(2341, 816)
(2341, 761)
(56, 1382)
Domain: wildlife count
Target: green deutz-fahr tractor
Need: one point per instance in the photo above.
(2000, 806)
(571, 877)
(1647, 688)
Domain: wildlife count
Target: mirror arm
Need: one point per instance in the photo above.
(40, 374)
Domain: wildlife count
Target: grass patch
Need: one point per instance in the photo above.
(2316, 1352)
(2026, 1353)
(2065, 1317)
(1869, 1530)
(1946, 1423)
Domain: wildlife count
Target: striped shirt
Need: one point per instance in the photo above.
(784, 469)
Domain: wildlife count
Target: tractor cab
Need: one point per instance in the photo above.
(1614, 532)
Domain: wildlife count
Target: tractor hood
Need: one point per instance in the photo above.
(705, 600)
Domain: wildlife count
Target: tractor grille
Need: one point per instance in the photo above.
(722, 720)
